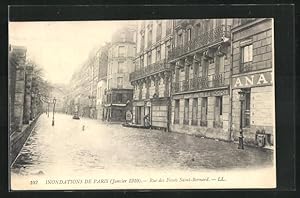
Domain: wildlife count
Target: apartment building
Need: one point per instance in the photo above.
(119, 91)
(200, 65)
(253, 99)
(151, 77)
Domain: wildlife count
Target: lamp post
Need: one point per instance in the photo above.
(241, 137)
(54, 101)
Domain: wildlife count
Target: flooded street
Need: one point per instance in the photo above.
(88, 146)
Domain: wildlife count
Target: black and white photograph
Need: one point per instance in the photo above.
(142, 104)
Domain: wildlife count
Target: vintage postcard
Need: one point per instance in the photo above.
(142, 104)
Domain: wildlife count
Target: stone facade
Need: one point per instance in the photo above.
(255, 78)
(151, 78)
(200, 64)
(24, 99)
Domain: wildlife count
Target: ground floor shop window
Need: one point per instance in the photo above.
(203, 121)
(218, 122)
(195, 111)
(176, 112)
(186, 112)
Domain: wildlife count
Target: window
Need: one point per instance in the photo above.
(176, 112)
(218, 123)
(219, 65)
(179, 39)
(168, 48)
(156, 84)
(203, 112)
(149, 59)
(246, 110)
(142, 42)
(121, 51)
(246, 58)
(195, 111)
(186, 112)
(120, 67)
(149, 37)
(158, 54)
(247, 53)
(169, 27)
(159, 31)
(120, 82)
(109, 83)
(205, 68)
(119, 98)
(189, 34)
(198, 29)
(142, 61)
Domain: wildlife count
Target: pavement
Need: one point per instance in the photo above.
(90, 145)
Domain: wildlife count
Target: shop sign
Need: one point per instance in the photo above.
(253, 80)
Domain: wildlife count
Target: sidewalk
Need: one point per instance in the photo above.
(18, 139)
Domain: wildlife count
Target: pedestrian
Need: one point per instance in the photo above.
(147, 121)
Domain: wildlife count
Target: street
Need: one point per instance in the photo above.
(87, 145)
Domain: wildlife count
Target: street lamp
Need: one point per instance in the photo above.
(241, 137)
(54, 101)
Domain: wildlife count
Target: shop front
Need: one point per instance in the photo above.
(253, 107)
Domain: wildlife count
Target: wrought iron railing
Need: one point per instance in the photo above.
(246, 67)
(194, 84)
(148, 70)
(202, 40)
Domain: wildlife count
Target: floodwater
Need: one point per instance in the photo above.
(86, 145)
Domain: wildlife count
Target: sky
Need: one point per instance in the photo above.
(61, 47)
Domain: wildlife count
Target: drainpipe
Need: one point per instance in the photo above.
(230, 85)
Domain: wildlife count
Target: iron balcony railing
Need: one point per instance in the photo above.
(194, 84)
(148, 70)
(246, 67)
(202, 40)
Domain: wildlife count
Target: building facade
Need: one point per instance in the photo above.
(252, 80)
(200, 64)
(151, 77)
(102, 60)
(118, 93)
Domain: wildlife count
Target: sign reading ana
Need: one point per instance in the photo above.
(253, 80)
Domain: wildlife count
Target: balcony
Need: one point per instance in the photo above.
(246, 67)
(149, 70)
(203, 40)
(200, 83)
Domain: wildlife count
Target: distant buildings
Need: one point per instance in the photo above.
(119, 91)
(102, 60)
(101, 87)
